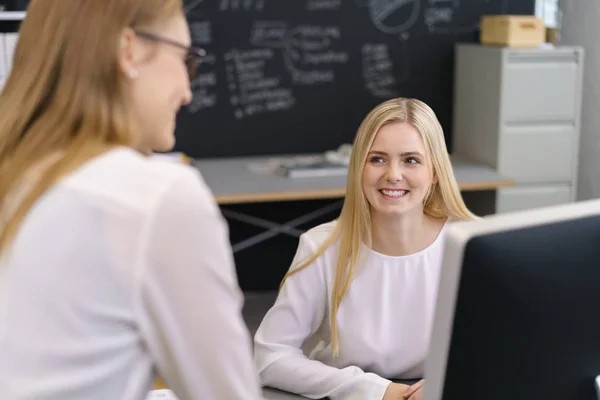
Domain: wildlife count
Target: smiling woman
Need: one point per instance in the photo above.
(397, 176)
(365, 284)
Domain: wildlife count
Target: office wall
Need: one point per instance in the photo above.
(581, 26)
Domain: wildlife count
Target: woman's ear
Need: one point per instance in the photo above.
(128, 53)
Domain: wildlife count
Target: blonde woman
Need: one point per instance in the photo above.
(365, 284)
(112, 264)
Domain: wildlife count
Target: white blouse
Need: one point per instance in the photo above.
(124, 267)
(384, 323)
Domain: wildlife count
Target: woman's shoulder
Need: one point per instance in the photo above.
(317, 235)
(311, 243)
(126, 176)
(156, 168)
(126, 163)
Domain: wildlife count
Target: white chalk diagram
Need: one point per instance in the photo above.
(383, 72)
(253, 92)
(393, 16)
(308, 54)
(201, 32)
(439, 17)
(241, 5)
(378, 70)
(203, 87)
(268, 34)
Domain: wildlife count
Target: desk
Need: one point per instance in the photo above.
(274, 394)
(231, 181)
(268, 393)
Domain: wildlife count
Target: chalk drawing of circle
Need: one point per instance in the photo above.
(394, 16)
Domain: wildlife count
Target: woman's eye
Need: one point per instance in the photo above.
(376, 159)
(412, 160)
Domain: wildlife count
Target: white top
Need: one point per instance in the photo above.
(124, 266)
(384, 323)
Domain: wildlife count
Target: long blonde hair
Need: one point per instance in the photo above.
(353, 227)
(65, 94)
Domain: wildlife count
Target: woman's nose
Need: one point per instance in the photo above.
(394, 173)
(187, 95)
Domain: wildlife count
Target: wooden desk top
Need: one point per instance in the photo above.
(232, 181)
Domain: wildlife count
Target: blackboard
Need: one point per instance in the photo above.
(14, 5)
(298, 76)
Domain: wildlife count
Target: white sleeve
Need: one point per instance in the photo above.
(297, 314)
(191, 303)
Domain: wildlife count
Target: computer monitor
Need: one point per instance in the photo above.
(518, 308)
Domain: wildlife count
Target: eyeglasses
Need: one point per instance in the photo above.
(193, 54)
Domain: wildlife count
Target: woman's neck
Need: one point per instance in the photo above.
(404, 235)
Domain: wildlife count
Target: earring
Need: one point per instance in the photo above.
(133, 73)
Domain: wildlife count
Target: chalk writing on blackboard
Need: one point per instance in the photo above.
(378, 70)
(204, 86)
(394, 16)
(268, 33)
(201, 32)
(439, 18)
(318, 5)
(241, 5)
(253, 92)
(310, 54)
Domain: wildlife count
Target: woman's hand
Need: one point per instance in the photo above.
(414, 392)
(395, 391)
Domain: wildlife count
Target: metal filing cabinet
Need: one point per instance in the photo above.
(518, 111)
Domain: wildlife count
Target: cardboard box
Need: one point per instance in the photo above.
(552, 36)
(512, 30)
